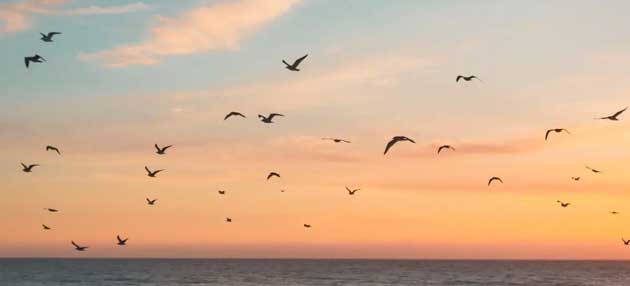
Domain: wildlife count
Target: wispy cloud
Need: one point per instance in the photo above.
(100, 10)
(210, 27)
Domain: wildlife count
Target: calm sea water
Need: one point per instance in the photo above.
(310, 272)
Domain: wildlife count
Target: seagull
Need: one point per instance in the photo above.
(467, 78)
(51, 210)
(564, 205)
(593, 170)
(36, 59)
(337, 140)
(48, 37)
(221, 192)
(234, 113)
(445, 147)
(614, 212)
(614, 116)
(269, 118)
(395, 140)
(29, 168)
(626, 242)
(575, 178)
(46, 227)
(351, 192)
(79, 248)
(53, 148)
(494, 179)
(152, 174)
(227, 219)
(296, 63)
(121, 242)
(151, 202)
(307, 225)
(273, 174)
(557, 130)
(161, 151)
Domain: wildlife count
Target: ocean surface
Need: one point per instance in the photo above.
(310, 272)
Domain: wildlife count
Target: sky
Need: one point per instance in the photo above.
(125, 75)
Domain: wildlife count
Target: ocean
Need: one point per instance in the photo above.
(310, 272)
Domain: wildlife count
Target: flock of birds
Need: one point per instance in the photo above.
(28, 168)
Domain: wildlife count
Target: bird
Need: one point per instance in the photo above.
(626, 242)
(121, 241)
(467, 78)
(269, 119)
(79, 248)
(152, 174)
(234, 113)
(307, 225)
(395, 140)
(51, 210)
(272, 174)
(614, 116)
(296, 63)
(161, 151)
(494, 179)
(557, 130)
(35, 59)
(48, 37)
(445, 147)
(46, 227)
(53, 148)
(564, 205)
(614, 212)
(282, 191)
(227, 219)
(221, 192)
(351, 192)
(151, 202)
(575, 178)
(28, 168)
(337, 140)
(593, 170)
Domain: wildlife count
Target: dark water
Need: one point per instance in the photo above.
(310, 272)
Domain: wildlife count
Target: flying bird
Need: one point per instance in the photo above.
(53, 148)
(78, 247)
(614, 116)
(51, 210)
(614, 212)
(28, 168)
(494, 179)
(351, 192)
(626, 242)
(161, 151)
(296, 63)
(227, 219)
(151, 202)
(221, 192)
(121, 241)
(49, 37)
(467, 78)
(152, 173)
(575, 178)
(593, 170)
(35, 59)
(445, 147)
(564, 205)
(268, 119)
(395, 140)
(307, 225)
(337, 140)
(46, 227)
(557, 130)
(234, 113)
(273, 174)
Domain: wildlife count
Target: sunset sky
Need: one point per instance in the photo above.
(125, 75)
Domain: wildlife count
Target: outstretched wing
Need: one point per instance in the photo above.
(458, 78)
(75, 245)
(298, 61)
(547, 133)
(619, 112)
(27, 60)
(272, 115)
(53, 33)
(389, 145)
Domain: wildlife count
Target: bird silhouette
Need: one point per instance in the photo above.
(307, 225)
(562, 204)
(296, 63)
(395, 140)
(152, 173)
(337, 140)
(614, 212)
(445, 147)
(626, 242)
(268, 119)
(494, 179)
(51, 210)
(151, 202)
(78, 247)
(161, 151)
(28, 168)
(34, 59)
(593, 170)
(221, 192)
(49, 37)
(46, 227)
(614, 116)
(53, 148)
(234, 113)
(575, 178)
(557, 130)
(467, 78)
(227, 219)
(121, 241)
(351, 192)
(273, 174)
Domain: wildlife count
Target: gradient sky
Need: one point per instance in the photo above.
(127, 74)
